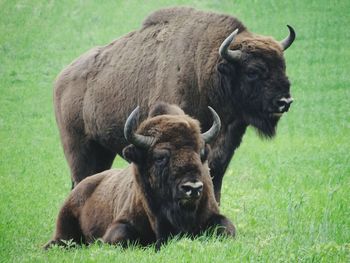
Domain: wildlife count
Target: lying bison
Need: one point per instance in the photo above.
(167, 190)
(181, 56)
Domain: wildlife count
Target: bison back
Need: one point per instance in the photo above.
(171, 58)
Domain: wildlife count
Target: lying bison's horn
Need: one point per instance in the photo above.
(230, 55)
(285, 43)
(213, 132)
(134, 138)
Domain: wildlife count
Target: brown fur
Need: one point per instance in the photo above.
(174, 58)
(140, 203)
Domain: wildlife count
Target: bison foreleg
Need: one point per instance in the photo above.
(163, 231)
(85, 157)
(120, 233)
(222, 152)
(221, 225)
(68, 231)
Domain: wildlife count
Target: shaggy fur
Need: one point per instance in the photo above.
(174, 58)
(144, 202)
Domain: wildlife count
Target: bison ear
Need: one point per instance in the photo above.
(132, 154)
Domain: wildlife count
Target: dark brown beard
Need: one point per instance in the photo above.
(265, 125)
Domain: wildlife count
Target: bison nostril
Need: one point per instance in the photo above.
(281, 103)
(192, 189)
(198, 190)
(284, 101)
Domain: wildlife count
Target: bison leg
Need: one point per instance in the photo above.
(221, 225)
(86, 157)
(67, 230)
(163, 230)
(120, 232)
(217, 183)
(222, 152)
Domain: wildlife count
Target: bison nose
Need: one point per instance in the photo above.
(192, 189)
(283, 104)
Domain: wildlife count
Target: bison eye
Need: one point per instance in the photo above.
(160, 160)
(252, 74)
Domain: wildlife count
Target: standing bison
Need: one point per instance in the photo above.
(182, 56)
(167, 190)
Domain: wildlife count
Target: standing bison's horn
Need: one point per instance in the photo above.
(213, 132)
(288, 41)
(230, 55)
(235, 55)
(134, 138)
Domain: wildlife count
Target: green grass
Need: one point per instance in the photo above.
(288, 197)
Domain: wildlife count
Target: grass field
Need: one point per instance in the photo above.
(289, 198)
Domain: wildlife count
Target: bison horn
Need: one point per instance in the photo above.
(230, 55)
(136, 139)
(285, 43)
(213, 132)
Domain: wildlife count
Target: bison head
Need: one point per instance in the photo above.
(253, 74)
(170, 153)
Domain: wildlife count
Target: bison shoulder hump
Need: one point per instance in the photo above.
(164, 16)
(190, 16)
